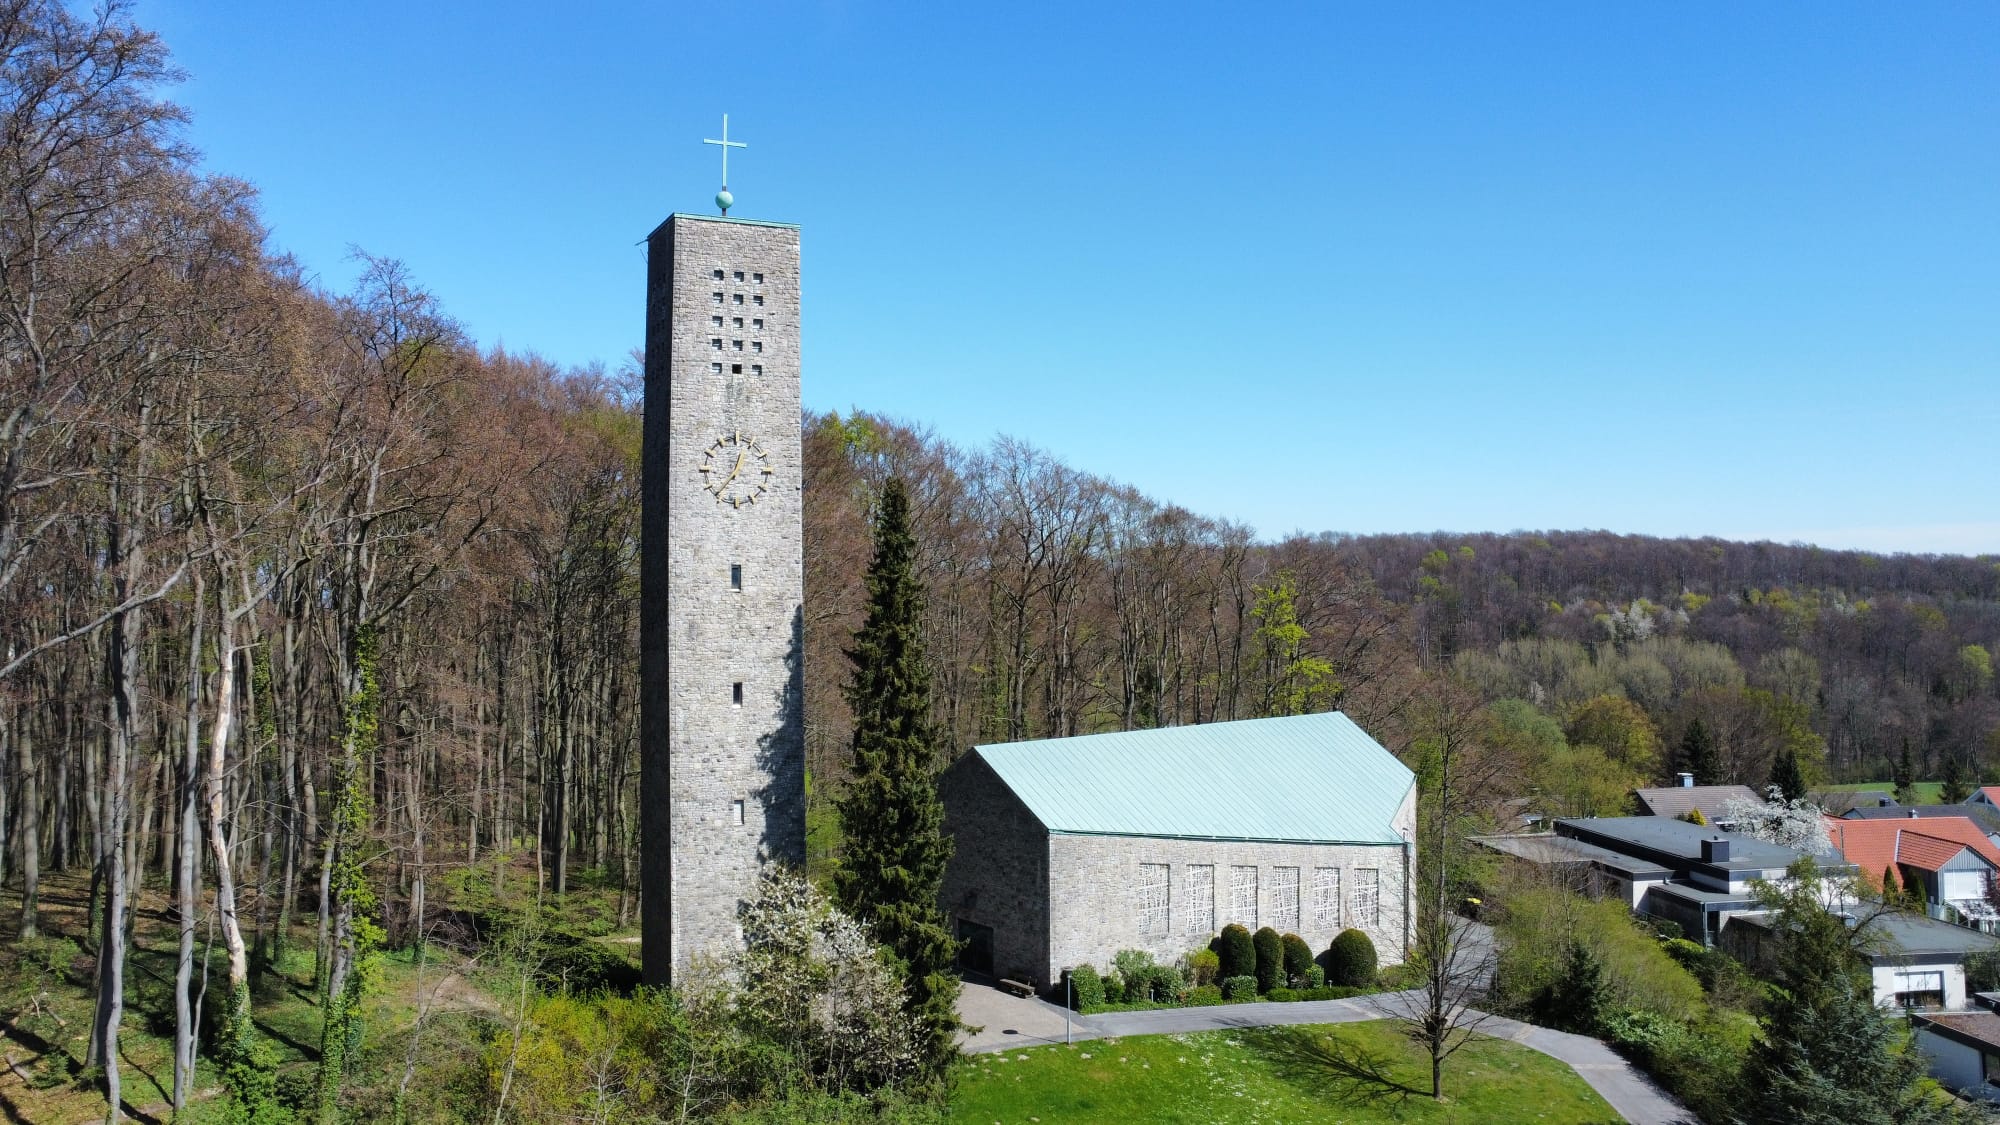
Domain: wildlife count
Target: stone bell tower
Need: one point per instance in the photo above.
(721, 725)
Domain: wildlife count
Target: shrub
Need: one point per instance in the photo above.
(1350, 960)
(1270, 950)
(1204, 995)
(1239, 988)
(1203, 967)
(1281, 994)
(1574, 1000)
(1315, 976)
(1159, 983)
(1236, 955)
(1699, 1062)
(1131, 964)
(1114, 988)
(1298, 958)
(1086, 987)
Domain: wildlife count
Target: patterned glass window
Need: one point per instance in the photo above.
(1285, 899)
(1198, 904)
(1153, 879)
(1326, 899)
(1367, 903)
(1243, 896)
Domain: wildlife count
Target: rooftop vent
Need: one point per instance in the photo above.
(1687, 781)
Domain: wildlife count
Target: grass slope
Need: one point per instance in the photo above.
(1272, 1074)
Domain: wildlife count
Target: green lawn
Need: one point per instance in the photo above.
(1927, 791)
(1272, 1074)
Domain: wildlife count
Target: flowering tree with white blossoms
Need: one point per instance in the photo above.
(1796, 824)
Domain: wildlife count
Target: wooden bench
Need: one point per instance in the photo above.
(1017, 988)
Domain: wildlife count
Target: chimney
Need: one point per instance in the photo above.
(1913, 814)
(1886, 803)
(1687, 781)
(1715, 850)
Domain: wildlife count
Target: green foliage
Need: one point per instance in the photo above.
(1952, 788)
(1905, 776)
(1827, 1052)
(570, 962)
(1698, 1061)
(1575, 1000)
(1543, 927)
(1351, 960)
(1236, 955)
(890, 815)
(353, 810)
(1086, 987)
(1315, 977)
(1131, 964)
(1298, 957)
(1239, 988)
(1696, 818)
(1982, 971)
(1618, 727)
(1786, 776)
(1699, 755)
(1204, 966)
(1161, 984)
(1204, 995)
(1296, 682)
(1270, 953)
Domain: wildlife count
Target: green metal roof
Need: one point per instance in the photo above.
(1306, 778)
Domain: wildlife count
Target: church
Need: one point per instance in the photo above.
(1069, 850)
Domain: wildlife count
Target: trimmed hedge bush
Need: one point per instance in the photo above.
(1298, 958)
(1159, 983)
(1270, 950)
(1239, 988)
(1086, 987)
(1204, 995)
(1236, 956)
(1315, 976)
(1350, 960)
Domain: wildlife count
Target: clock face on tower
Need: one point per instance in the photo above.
(735, 469)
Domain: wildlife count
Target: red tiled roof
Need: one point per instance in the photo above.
(1926, 843)
(1992, 793)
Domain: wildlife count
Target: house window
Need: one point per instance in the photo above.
(1920, 990)
(1990, 1064)
(1198, 905)
(1367, 904)
(1285, 899)
(1153, 879)
(1326, 899)
(1243, 896)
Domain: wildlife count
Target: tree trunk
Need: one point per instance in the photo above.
(187, 878)
(29, 831)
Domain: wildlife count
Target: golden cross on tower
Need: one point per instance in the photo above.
(722, 198)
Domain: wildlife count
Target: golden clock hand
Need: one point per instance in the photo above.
(740, 458)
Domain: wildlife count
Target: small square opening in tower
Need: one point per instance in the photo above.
(736, 322)
(739, 298)
(758, 278)
(757, 322)
(739, 275)
(715, 343)
(755, 346)
(716, 297)
(735, 576)
(736, 694)
(718, 275)
(756, 369)
(736, 812)
(739, 345)
(715, 368)
(736, 369)
(760, 298)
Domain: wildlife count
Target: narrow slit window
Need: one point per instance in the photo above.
(735, 577)
(736, 812)
(736, 694)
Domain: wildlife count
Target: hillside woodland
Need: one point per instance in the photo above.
(315, 617)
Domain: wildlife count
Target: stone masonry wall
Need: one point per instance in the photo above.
(998, 874)
(1097, 906)
(703, 750)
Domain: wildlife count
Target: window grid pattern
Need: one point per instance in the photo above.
(1285, 899)
(1367, 904)
(1326, 899)
(1243, 896)
(1198, 904)
(1153, 880)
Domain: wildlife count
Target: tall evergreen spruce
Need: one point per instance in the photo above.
(1786, 776)
(1906, 777)
(893, 867)
(1698, 755)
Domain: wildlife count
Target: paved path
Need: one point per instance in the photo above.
(1010, 1021)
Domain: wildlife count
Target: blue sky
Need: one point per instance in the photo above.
(1672, 269)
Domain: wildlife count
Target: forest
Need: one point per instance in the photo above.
(311, 608)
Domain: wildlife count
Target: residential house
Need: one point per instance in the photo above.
(1964, 1051)
(1949, 859)
(1919, 966)
(1987, 817)
(1677, 800)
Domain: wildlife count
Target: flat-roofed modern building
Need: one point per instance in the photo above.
(1069, 850)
